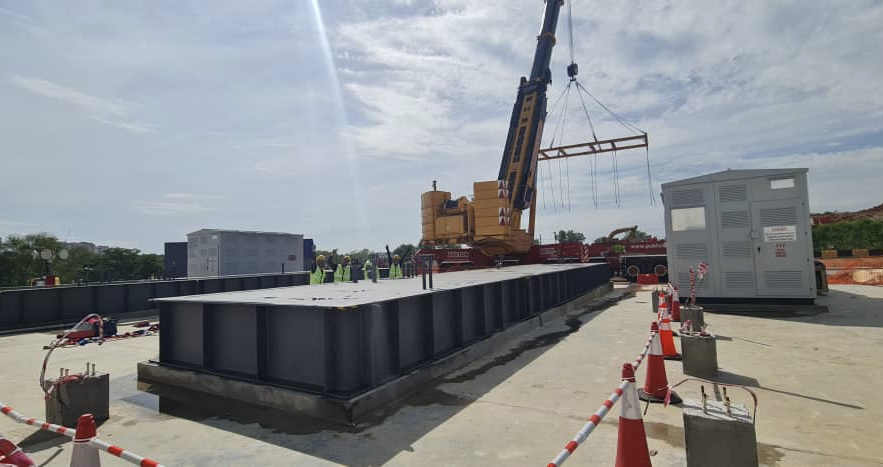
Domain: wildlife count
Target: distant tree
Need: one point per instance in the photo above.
(864, 233)
(569, 236)
(18, 264)
(150, 265)
(17, 261)
(326, 253)
(360, 255)
(405, 249)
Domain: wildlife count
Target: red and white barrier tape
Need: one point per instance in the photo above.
(129, 456)
(637, 363)
(583, 434)
(71, 433)
(9, 412)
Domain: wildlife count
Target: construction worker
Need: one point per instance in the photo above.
(317, 275)
(395, 267)
(367, 270)
(343, 273)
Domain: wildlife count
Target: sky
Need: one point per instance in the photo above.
(133, 123)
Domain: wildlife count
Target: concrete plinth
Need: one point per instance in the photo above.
(699, 355)
(695, 314)
(715, 438)
(90, 394)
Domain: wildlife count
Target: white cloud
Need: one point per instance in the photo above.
(131, 127)
(103, 110)
(89, 103)
(177, 204)
(167, 208)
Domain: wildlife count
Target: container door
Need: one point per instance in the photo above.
(736, 258)
(778, 250)
(688, 237)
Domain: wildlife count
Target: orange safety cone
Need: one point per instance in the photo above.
(631, 444)
(10, 454)
(675, 304)
(656, 382)
(82, 454)
(663, 308)
(666, 337)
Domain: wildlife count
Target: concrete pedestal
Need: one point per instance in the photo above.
(717, 439)
(91, 394)
(694, 314)
(699, 355)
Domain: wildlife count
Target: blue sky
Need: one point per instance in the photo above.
(134, 123)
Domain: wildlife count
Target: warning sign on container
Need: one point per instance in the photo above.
(780, 250)
(780, 233)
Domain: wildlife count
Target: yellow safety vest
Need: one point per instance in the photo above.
(342, 274)
(317, 276)
(395, 271)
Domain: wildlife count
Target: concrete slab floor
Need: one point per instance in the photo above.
(816, 378)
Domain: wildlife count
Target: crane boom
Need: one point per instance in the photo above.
(518, 166)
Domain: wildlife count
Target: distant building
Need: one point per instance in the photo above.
(217, 252)
(175, 259)
(309, 253)
(88, 246)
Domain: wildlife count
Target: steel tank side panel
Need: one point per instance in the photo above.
(562, 279)
(472, 306)
(547, 295)
(182, 334)
(138, 296)
(211, 285)
(76, 302)
(520, 298)
(110, 299)
(232, 284)
(251, 283)
(570, 283)
(493, 307)
(345, 350)
(296, 345)
(445, 318)
(300, 278)
(380, 335)
(560, 289)
(267, 282)
(415, 319)
(233, 339)
(509, 303)
(534, 292)
(10, 309)
(172, 288)
(40, 306)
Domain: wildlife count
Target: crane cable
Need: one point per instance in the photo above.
(592, 160)
(562, 119)
(560, 182)
(631, 127)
